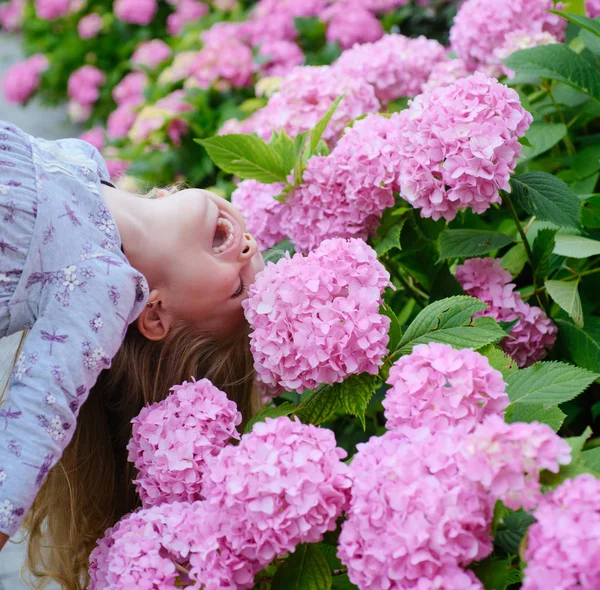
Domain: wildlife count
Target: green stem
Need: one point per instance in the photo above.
(568, 143)
(513, 213)
(589, 272)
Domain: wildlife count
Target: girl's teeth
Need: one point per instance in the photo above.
(226, 226)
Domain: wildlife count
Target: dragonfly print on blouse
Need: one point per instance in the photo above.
(54, 338)
(43, 469)
(9, 414)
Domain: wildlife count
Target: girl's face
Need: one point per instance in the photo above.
(207, 259)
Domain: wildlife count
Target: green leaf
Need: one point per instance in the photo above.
(590, 212)
(576, 246)
(499, 360)
(496, 574)
(391, 239)
(278, 251)
(445, 313)
(311, 28)
(543, 245)
(582, 346)
(395, 331)
(284, 409)
(543, 136)
(462, 243)
(566, 294)
(518, 412)
(558, 62)
(355, 393)
(319, 128)
(305, 569)
(546, 197)
(284, 145)
(550, 384)
(591, 459)
(580, 19)
(246, 156)
(319, 405)
(511, 530)
(483, 332)
(515, 259)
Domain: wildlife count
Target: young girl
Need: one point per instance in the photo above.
(100, 276)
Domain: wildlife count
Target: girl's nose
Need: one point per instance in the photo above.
(249, 247)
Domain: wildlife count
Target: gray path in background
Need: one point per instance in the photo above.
(50, 124)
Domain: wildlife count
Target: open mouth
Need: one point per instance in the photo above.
(224, 235)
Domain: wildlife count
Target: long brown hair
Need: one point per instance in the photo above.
(90, 488)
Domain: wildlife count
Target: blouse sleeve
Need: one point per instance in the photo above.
(61, 359)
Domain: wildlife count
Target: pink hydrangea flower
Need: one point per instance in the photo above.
(236, 126)
(121, 120)
(116, 167)
(592, 8)
(273, 20)
(11, 15)
(278, 58)
(440, 388)
(51, 9)
(145, 547)
(461, 144)
(136, 12)
(563, 546)
(534, 334)
(89, 26)
(305, 96)
(174, 440)
(225, 66)
(395, 65)
(413, 518)
(187, 12)
(381, 6)
(261, 211)
(23, 79)
(344, 194)
(445, 73)
(284, 484)
(482, 26)
(349, 23)
(507, 459)
(151, 53)
(316, 319)
(94, 136)
(521, 40)
(84, 84)
(130, 90)
(224, 32)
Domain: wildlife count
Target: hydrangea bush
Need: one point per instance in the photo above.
(422, 178)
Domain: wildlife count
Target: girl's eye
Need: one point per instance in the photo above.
(240, 290)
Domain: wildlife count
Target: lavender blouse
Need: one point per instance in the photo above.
(63, 277)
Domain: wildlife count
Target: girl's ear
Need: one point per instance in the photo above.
(154, 322)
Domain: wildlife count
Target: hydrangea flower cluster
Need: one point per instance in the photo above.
(11, 14)
(174, 440)
(350, 23)
(345, 194)
(261, 211)
(23, 79)
(136, 12)
(316, 319)
(306, 95)
(482, 26)
(461, 144)
(279, 57)
(413, 520)
(563, 546)
(153, 547)
(284, 484)
(439, 387)
(52, 9)
(445, 73)
(89, 26)
(83, 90)
(534, 334)
(395, 66)
(593, 8)
(521, 40)
(507, 459)
(151, 53)
(186, 12)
